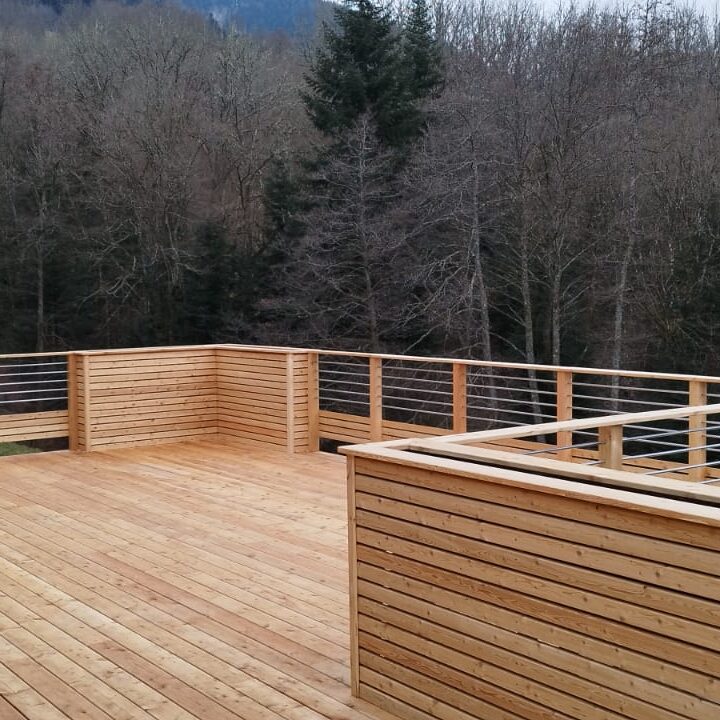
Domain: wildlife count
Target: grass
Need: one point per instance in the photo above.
(16, 449)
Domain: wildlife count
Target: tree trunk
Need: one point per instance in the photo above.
(621, 291)
(40, 307)
(528, 324)
(480, 287)
(556, 315)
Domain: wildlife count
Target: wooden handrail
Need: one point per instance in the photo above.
(605, 421)
(578, 370)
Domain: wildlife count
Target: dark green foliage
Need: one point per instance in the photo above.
(422, 54)
(362, 69)
(209, 286)
(283, 203)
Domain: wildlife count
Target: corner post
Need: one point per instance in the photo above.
(564, 392)
(86, 443)
(376, 399)
(459, 401)
(697, 425)
(72, 395)
(313, 402)
(352, 560)
(290, 401)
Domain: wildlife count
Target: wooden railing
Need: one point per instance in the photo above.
(384, 397)
(298, 398)
(33, 397)
(683, 443)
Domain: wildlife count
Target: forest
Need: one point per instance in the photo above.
(452, 177)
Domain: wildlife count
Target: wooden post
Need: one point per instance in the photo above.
(313, 402)
(72, 395)
(87, 413)
(611, 446)
(459, 398)
(697, 439)
(564, 392)
(352, 559)
(376, 399)
(290, 401)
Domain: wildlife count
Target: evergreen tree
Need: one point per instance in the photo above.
(421, 51)
(283, 205)
(359, 71)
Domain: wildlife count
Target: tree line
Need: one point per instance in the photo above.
(449, 177)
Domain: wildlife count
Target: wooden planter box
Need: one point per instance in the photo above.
(490, 592)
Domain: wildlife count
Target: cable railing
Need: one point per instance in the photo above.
(386, 397)
(358, 397)
(33, 397)
(680, 443)
(33, 385)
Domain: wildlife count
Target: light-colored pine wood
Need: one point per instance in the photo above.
(87, 413)
(376, 398)
(313, 402)
(73, 400)
(541, 596)
(290, 390)
(459, 397)
(524, 431)
(611, 447)
(697, 438)
(353, 580)
(182, 582)
(564, 410)
(34, 426)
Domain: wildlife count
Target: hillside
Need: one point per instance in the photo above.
(259, 15)
(256, 15)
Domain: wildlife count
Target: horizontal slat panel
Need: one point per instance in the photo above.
(33, 426)
(343, 427)
(471, 589)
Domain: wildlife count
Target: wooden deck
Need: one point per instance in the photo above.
(198, 580)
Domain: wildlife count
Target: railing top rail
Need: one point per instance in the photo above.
(602, 421)
(576, 370)
(527, 366)
(657, 496)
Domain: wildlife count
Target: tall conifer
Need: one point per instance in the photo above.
(358, 70)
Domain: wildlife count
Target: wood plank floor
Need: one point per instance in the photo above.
(197, 580)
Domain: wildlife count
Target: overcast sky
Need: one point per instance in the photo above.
(709, 7)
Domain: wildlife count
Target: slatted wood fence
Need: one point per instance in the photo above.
(486, 592)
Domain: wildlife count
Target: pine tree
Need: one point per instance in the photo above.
(359, 71)
(421, 51)
(283, 204)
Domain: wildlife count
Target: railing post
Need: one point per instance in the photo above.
(353, 568)
(459, 398)
(313, 402)
(611, 446)
(290, 401)
(376, 399)
(697, 425)
(564, 392)
(72, 395)
(86, 442)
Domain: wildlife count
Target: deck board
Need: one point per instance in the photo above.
(198, 580)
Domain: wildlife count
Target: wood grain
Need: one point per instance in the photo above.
(180, 582)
